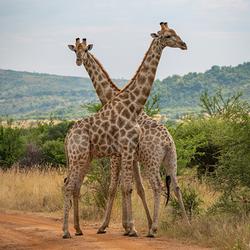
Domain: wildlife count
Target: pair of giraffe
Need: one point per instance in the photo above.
(122, 131)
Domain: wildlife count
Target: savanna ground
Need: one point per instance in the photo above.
(31, 217)
(40, 193)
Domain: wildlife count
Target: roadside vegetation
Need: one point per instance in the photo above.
(213, 167)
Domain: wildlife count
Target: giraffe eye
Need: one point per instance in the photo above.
(168, 36)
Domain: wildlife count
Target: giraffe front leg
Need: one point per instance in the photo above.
(125, 223)
(72, 188)
(76, 212)
(115, 170)
(127, 181)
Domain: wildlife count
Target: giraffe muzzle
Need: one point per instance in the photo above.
(183, 46)
(78, 62)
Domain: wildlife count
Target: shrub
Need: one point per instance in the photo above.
(54, 152)
(11, 145)
(55, 132)
(32, 156)
(234, 203)
(191, 200)
(194, 143)
(98, 181)
(152, 107)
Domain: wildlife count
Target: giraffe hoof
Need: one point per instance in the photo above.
(78, 233)
(101, 231)
(126, 233)
(133, 234)
(150, 235)
(66, 235)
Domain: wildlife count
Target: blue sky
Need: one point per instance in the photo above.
(35, 33)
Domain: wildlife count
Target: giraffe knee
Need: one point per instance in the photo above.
(112, 189)
(177, 191)
(127, 190)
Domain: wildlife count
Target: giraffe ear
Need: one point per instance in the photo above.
(154, 35)
(90, 46)
(72, 47)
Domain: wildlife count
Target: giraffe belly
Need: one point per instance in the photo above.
(100, 150)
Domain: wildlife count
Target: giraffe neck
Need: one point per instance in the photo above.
(140, 85)
(102, 83)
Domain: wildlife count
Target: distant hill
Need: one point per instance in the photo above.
(181, 94)
(33, 95)
(27, 95)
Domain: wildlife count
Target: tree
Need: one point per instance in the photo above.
(93, 107)
(151, 107)
(219, 104)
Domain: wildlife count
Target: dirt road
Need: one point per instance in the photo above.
(30, 231)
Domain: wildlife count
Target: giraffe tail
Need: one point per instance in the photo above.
(168, 181)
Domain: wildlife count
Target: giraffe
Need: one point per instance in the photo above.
(106, 89)
(161, 144)
(114, 129)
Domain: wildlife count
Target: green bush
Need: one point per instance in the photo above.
(53, 151)
(55, 132)
(34, 145)
(191, 200)
(219, 143)
(11, 145)
(98, 180)
(152, 107)
(237, 202)
(234, 141)
(194, 144)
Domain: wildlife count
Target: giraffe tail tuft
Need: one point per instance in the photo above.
(168, 181)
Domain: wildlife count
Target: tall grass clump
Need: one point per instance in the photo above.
(34, 190)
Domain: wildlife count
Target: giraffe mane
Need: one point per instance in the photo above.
(139, 68)
(105, 73)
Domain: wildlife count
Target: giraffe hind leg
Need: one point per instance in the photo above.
(177, 192)
(67, 206)
(141, 192)
(72, 188)
(155, 181)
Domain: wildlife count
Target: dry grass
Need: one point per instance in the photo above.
(222, 232)
(34, 190)
(38, 191)
(29, 123)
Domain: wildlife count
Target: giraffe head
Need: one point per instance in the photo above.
(167, 37)
(81, 49)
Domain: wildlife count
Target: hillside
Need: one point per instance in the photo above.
(181, 94)
(33, 95)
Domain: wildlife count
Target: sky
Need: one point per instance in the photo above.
(34, 34)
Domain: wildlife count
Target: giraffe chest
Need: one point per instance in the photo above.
(104, 139)
(110, 137)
